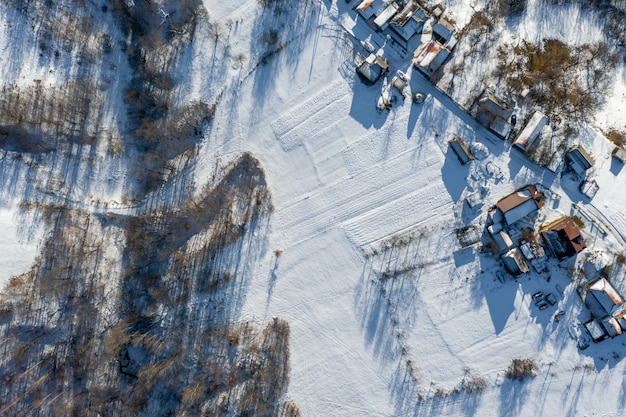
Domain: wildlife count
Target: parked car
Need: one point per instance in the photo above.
(537, 296)
(551, 299)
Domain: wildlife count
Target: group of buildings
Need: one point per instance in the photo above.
(410, 27)
(522, 250)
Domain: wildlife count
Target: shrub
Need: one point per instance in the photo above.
(521, 368)
(618, 137)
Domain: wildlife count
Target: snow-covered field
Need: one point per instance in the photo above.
(358, 192)
(346, 180)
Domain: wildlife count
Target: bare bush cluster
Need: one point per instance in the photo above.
(562, 80)
(521, 369)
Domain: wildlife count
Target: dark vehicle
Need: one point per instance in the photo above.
(551, 299)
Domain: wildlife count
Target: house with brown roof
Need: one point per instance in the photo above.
(520, 204)
(563, 238)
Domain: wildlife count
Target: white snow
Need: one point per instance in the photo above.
(345, 179)
(348, 183)
(19, 244)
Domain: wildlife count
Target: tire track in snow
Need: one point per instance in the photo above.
(311, 117)
(371, 202)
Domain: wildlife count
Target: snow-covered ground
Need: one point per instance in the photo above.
(348, 183)
(345, 180)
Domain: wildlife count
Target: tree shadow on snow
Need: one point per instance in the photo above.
(280, 34)
(616, 166)
(513, 394)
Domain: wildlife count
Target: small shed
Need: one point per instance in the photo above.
(579, 160)
(372, 68)
(619, 154)
(461, 150)
(444, 32)
(596, 331)
(589, 188)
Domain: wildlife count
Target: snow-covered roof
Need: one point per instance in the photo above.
(606, 296)
(445, 30)
(503, 240)
(461, 150)
(529, 134)
(596, 331)
(373, 67)
(383, 18)
(612, 326)
(406, 30)
(519, 212)
(494, 114)
(514, 262)
(368, 8)
(429, 56)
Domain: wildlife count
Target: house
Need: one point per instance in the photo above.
(372, 68)
(579, 160)
(520, 204)
(603, 300)
(563, 238)
(606, 306)
(461, 150)
(514, 262)
(429, 56)
(443, 32)
(531, 131)
(382, 20)
(409, 21)
(619, 154)
(494, 114)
